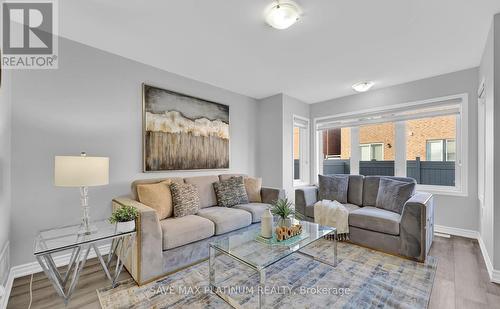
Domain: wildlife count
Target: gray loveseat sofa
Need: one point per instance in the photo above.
(408, 234)
(165, 246)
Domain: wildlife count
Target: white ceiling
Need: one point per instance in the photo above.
(334, 45)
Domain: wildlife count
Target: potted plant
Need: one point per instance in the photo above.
(124, 218)
(285, 211)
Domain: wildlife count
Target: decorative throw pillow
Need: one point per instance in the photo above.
(157, 196)
(231, 192)
(253, 186)
(333, 188)
(185, 199)
(393, 194)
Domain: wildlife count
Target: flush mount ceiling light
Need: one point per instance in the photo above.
(363, 86)
(282, 14)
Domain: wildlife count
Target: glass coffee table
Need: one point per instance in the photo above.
(257, 254)
(55, 241)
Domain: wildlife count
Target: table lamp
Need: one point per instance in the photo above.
(83, 172)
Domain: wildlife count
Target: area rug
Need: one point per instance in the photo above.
(363, 278)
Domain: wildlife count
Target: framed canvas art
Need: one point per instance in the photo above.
(181, 132)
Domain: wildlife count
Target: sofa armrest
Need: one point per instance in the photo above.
(305, 196)
(270, 195)
(146, 260)
(417, 226)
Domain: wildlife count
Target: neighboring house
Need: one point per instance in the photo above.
(430, 139)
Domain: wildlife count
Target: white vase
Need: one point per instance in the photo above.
(124, 227)
(266, 224)
(287, 222)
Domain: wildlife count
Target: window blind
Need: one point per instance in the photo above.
(435, 109)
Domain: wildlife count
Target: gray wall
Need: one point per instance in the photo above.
(93, 103)
(453, 211)
(5, 166)
(270, 146)
(276, 140)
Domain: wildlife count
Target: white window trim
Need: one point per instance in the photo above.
(305, 145)
(370, 144)
(461, 143)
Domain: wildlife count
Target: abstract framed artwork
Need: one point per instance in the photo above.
(181, 132)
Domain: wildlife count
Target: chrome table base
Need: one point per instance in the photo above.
(65, 282)
(214, 251)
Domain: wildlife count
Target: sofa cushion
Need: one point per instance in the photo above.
(135, 183)
(351, 207)
(231, 192)
(256, 209)
(355, 190)
(227, 176)
(184, 230)
(375, 219)
(205, 189)
(226, 219)
(393, 194)
(333, 188)
(157, 196)
(185, 199)
(370, 188)
(253, 185)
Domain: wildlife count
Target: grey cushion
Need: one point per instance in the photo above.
(351, 207)
(184, 230)
(393, 194)
(226, 219)
(375, 219)
(370, 188)
(185, 199)
(231, 192)
(355, 190)
(256, 209)
(205, 189)
(333, 188)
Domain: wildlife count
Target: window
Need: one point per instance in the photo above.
(431, 150)
(336, 151)
(372, 152)
(440, 150)
(300, 150)
(420, 140)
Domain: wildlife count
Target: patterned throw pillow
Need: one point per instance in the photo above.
(231, 192)
(185, 199)
(333, 188)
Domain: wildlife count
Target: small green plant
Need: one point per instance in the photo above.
(284, 209)
(124, 214)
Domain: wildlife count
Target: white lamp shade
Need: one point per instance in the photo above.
(79, 171)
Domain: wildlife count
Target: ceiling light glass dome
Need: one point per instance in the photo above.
(283, 14)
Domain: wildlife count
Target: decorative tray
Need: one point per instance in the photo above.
(288, 242)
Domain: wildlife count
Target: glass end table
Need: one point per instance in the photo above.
(53, 241)
(257, 255)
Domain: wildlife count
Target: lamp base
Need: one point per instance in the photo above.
(87, 230)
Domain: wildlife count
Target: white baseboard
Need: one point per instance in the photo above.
(493, 273)
(4, 263)
(33, 268)
(456, 231)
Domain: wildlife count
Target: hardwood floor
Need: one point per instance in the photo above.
(461, 281)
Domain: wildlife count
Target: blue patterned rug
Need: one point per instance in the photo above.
(363, 278)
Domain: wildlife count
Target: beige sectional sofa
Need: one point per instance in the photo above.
(165, 246)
